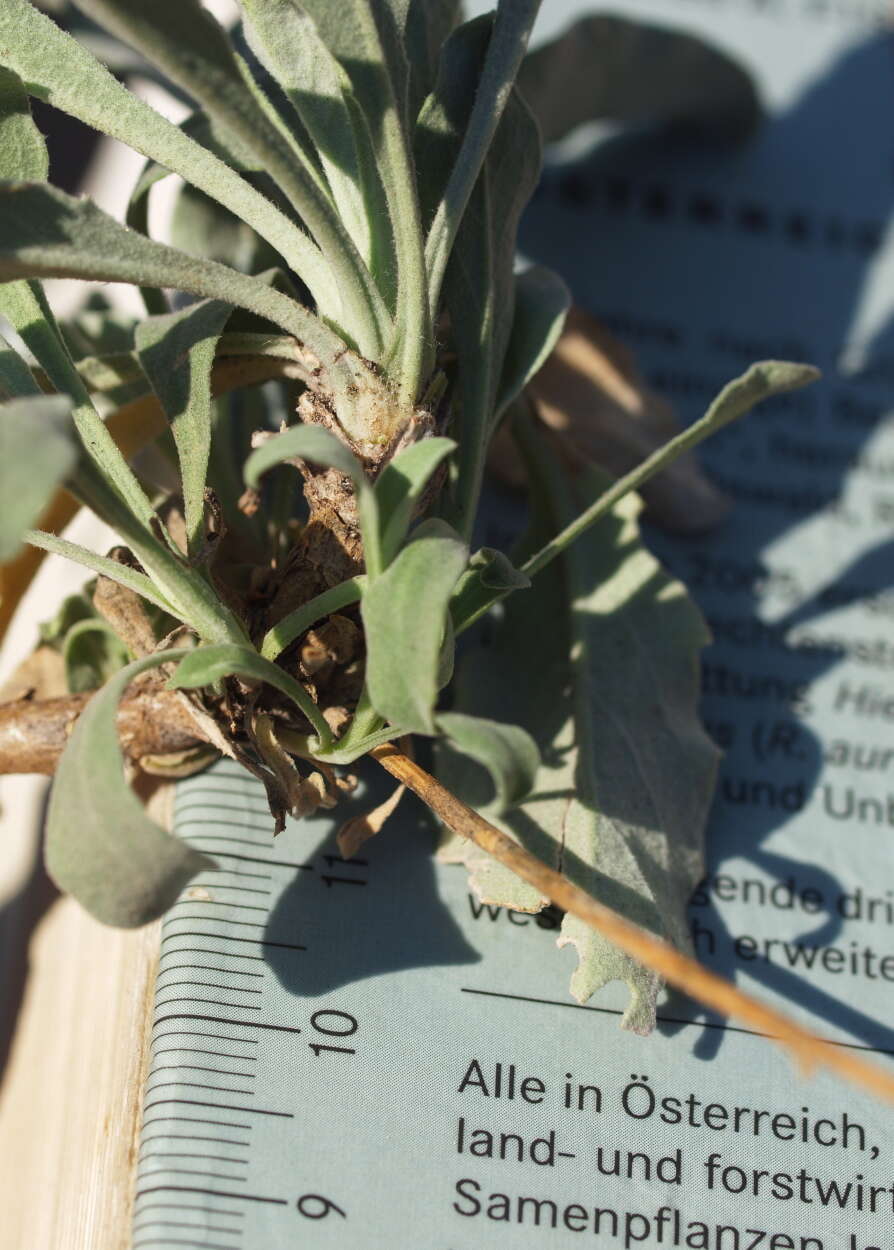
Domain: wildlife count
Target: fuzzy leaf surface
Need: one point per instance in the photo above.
(404, 614)
(92, 653)
(304, 442)
(289, 45)
(101, 846)
(207, 665)
(37, 452)
(610, 646)
(46, 233)
(16, 379)
(401, 485)
(60, 70)
(479, 283)
(176, 352)
(508, 753)
(541, 302)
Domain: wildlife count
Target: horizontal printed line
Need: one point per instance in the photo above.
(696, 1024)
(194, 1067)
(183, 1206)
(213, 985)
(250, 859)
(215, 1106)
(211, 1193)
(217, 1141)
(216, 1089)
(227, 937)
(247, 1024)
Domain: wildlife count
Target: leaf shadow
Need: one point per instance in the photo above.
(396, 921)
(633, 195)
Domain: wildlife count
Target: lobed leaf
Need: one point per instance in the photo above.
(404, 613)
(624, 788)
(37, 452)
(176, 351)
(101, 847)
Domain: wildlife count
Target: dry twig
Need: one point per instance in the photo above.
(677, 969)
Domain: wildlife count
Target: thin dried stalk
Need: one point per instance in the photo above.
(677, 969)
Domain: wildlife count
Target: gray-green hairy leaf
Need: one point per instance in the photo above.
(101, 847)
(16, 379)
(207, 665)
(508, 752)
(61, 71)
(303, 442)
(541, 301)
(610, 694)
(177, 352)
(93, 653)
(404, 615)
(46, 233)
(491, 576)
(400, 488)
(37, 451)
(23, 153)
(119, 573)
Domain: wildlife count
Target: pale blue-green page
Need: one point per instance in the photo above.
(258, 1137)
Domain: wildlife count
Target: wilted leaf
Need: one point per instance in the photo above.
(101, 847)
(405, 615)
(177, 351)
(37, 451)
(610, 694)
(360, 829)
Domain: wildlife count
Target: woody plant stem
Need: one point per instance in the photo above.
(677, 969)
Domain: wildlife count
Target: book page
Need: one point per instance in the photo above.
(361, 1054)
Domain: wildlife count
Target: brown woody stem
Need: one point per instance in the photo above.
(677, 969)
(34, 732)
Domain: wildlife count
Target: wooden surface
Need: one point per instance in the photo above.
(74, 1000)
(74, 1013)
